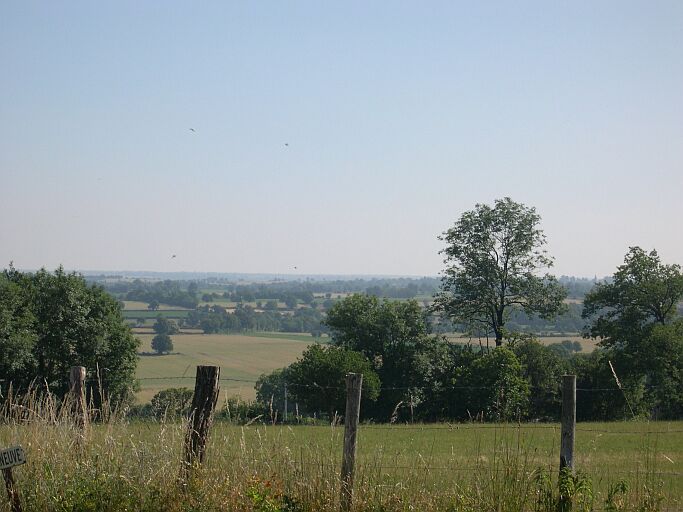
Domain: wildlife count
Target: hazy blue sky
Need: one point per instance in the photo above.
(399, 116)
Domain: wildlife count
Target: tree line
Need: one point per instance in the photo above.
(496, 266)
(51, 321)
(411, 374)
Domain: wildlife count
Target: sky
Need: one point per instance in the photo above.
(337, 138)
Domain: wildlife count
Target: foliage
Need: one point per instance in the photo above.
(237, 410)
(543, 369)
(270, 389)
(171, 402)
(55, 321)
(162, 343)
(494, 385)
(394, 336)
(317, 379)
(165, 326)
(162, 292)
(214, 319)
(493, 256)
(643, 292)
(636, 317)
(17, 331)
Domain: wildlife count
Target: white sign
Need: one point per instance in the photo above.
(12, 457)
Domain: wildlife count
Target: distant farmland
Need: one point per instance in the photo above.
(240, 357)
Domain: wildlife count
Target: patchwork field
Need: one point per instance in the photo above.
(586, 345)
(240, 357)
(135, 305)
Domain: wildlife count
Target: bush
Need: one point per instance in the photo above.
(162, 343)
(171, 402)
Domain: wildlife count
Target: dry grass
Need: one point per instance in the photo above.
(135, 466)
(240, 357)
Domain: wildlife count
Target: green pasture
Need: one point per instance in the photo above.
(137, 305)
(145, 313)
(465, 467)
(241, 357)
(587, 345)
(294, 336)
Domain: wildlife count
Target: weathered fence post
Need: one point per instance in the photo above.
(568, 422)
(206, 390)
(284, 418)
(12, 492)
(9, 458)
(77, 391)
(354, 383)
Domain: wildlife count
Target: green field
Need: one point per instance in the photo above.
(464, 467)
(241, 357)
(587, 345)
(138, 305)
(144, 313)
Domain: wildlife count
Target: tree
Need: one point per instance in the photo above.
(270, 390)
(162, 343)
(395, 338)
(317, 379)
(64, 322)
(291, 301)
(192, 289)
(165, 326)
(543, 368)
(636, 318)
(153, 305)
(494, 384)
(171, 402)
(17, 333)
(271, 305)
(493, 259)
(642, 292)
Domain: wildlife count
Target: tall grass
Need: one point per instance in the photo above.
(130, 465)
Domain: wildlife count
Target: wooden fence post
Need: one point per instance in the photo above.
(206, 390)
(354, 383)
(77, 391)
(12, 492)
(568, 422)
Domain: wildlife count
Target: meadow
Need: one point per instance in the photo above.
(269, 468)
(241, 357)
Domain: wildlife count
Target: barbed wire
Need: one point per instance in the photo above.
(381, 388)
(459, 469)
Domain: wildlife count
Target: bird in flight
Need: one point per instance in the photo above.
(287, 144)
(173, 256)
(192, 130)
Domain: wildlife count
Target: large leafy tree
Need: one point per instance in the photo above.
(17, 334)
(317, 379)
(394, 336)
(270, 389)
(65, 322)
(494, 261)
(494, 385)
(642, 292)
(635, 315)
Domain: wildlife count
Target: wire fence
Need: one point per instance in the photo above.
(444, 462)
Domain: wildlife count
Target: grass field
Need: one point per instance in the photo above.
(464, 468)
(240, 357)
(138, 305)
(586, 345)
(167, 313)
